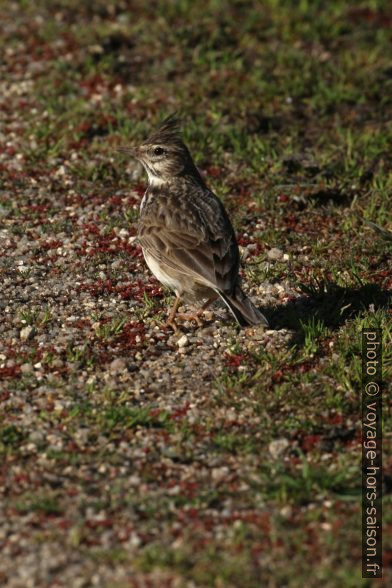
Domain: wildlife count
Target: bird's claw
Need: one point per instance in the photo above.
(194, 316)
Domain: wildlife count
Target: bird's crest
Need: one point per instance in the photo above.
(168, 132)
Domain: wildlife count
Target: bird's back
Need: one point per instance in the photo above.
(182, 214)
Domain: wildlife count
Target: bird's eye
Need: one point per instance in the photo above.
(159, 151)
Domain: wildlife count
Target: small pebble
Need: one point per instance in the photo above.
(275, 254)
(183, 341)
(26, 368)
(27, 333)
(277, 447)
(117, 365)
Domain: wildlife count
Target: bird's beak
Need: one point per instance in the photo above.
(132, 151)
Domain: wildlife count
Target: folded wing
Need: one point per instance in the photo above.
(193, 237)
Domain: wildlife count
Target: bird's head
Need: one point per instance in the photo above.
(164, 155)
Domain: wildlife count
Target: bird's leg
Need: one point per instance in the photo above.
(170, 321)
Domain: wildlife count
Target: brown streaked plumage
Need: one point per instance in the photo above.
(186, 235)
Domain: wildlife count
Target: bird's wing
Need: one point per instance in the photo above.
(192, 235)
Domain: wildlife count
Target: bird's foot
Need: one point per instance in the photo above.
(189, 316)
(192, 316)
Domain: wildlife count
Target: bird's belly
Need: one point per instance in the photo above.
(167, 280)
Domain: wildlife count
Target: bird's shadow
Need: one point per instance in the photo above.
(328, 304)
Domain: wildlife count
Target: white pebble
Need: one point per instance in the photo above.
(27, 333)
(183, 341)
(277, 447)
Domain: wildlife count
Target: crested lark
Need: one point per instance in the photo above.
(186, 235)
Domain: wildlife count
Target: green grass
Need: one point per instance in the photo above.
(124, 417)
(45, 503)
(11, 437)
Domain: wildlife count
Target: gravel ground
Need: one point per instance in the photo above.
(79, 337)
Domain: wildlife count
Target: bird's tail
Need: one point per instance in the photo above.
(243, 309)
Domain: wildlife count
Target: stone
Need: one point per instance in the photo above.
(27, 333)
(26, 368)
(183, 341)
(117, 365)
(275, 254)
(277, 447)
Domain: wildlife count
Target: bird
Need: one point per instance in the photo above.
(186, 236)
